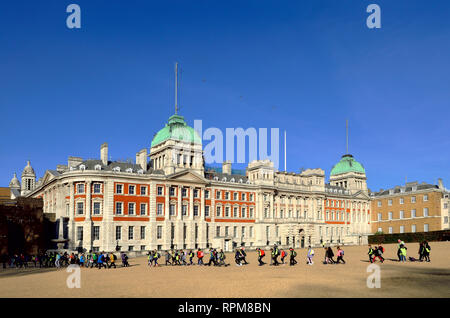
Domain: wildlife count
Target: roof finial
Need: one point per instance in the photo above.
(176, 88)
(346, 134)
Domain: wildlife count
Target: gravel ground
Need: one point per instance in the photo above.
(411, 279)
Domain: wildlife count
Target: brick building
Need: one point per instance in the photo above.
(413, 207)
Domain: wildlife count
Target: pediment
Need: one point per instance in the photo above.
(47, 177)
(360, 195)
(187, 176)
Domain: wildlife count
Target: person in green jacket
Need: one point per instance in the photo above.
(371, 253)
(403, 253)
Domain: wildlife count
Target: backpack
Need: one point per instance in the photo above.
(263, 253)
(342, 252)
(294, 253)
(115, 257)
(201, 254)
(283, 254)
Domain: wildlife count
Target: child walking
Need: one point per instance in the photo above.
(309, 256)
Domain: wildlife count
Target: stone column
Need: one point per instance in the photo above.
(87, 228)
(178, 239)
(152, 240)
(167, 222)
(71, 225)
(202, 222)
(190, 235)
(107, 228)
(286, 206)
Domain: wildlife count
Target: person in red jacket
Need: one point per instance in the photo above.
(200, 255)
(261, 254)
(283, 255)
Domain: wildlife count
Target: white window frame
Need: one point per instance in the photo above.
(117, 212)
(99, 207)
(159, 209)
(140, 208)
(81, 186)
(130, 232)
(132, 204)
(78, 207)
(99, 185)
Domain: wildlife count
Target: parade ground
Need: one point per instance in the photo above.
(410, 279)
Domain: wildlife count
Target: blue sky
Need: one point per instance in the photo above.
(302, 66)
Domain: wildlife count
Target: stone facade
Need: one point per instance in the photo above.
(173, 201)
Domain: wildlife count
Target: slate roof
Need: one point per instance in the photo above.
(211, 174)
(408, 188)
(91, 163)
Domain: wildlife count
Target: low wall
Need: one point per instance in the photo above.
(410, 237)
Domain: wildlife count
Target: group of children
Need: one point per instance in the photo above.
(216, 258)
(424, 252)
(58, 260)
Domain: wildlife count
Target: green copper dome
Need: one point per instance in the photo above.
(176, 129)
(347, 164)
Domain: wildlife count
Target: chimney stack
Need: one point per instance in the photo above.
(226, 167)
(104, 153)
(440, 184)
(141, 159)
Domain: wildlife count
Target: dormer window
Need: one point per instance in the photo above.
(82, 167)
(129, 170)
(116, 169)
(98, 167)
(216, 178)
(140, 171)
(232, 180)
(224, 179)
(240, 180)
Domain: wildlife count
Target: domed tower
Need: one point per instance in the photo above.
(14, 183)
(349, 173)
(28, 179)
(177, 147)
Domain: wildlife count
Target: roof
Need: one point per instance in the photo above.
(336, 189)
(347, 164)
(176, 129)
(5, 194)
(228, 177)
(90, 164)
(407, 188)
